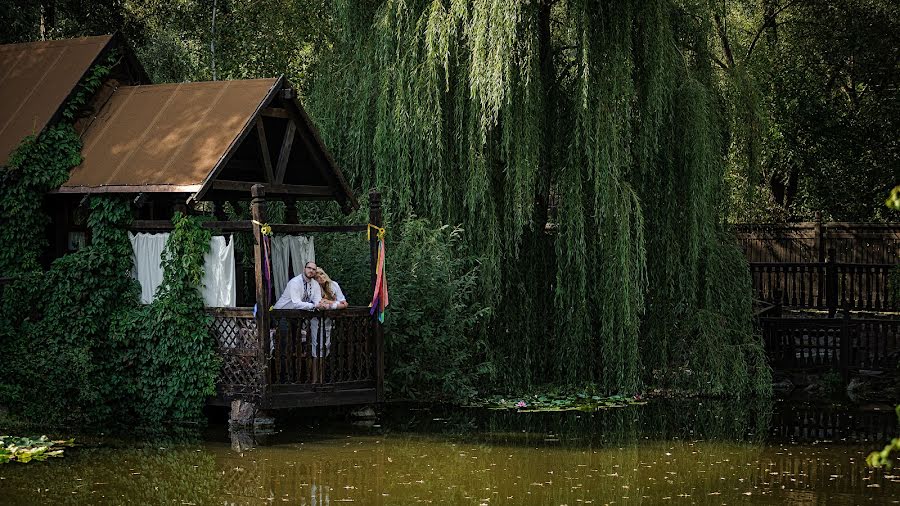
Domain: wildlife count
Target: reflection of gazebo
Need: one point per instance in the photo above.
(191, 146)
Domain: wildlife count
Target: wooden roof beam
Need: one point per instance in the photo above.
(271, 189)
(285, 153)
(264, 150)
(275, 112)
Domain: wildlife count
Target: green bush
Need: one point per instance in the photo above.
(434, 346)
(61, 363)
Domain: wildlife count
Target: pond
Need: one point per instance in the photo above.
(659, 453)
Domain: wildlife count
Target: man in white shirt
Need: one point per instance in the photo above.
(302, 292)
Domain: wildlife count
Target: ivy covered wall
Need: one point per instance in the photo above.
(77, 346)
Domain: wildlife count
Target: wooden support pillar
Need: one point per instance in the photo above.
(375, 219)
(820, 237)
(258, 214)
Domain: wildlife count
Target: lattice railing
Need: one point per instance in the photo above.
(238, 342)
(322, 347)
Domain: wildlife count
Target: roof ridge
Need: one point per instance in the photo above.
(91, 39)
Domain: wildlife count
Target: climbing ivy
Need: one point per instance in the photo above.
(40, 163)
(176, 352)
(77, 346)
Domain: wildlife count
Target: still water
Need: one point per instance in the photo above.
(660, 453)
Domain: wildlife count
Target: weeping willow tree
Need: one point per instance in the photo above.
(581, 146)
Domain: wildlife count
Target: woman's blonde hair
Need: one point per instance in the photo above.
(326, 288)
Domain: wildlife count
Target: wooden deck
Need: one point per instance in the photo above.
(308, 358)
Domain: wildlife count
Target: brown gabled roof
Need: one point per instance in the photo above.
(36, 78)
(205, 139)
(168, 136)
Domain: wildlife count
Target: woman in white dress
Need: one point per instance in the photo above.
(332, 298)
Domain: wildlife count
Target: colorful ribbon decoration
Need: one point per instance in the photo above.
(380, 294)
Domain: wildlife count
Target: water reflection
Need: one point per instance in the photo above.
(702, 453)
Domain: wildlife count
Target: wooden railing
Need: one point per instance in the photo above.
(843, 344)
(338, 348)
(240, 348)
(825, 285)
(323, 347)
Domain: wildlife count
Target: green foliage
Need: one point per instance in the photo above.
(176, 353)
(432, 346)
(26, 449)
(57, 350)
(813, 93)
(77, 345)
(475, 112)
(37, 166)
(886, 457)
(89, 353)
(85, 90)
(893, 200)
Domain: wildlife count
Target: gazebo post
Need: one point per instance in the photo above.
(375, 219)
(258, 214)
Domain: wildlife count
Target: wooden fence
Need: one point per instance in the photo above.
(825, 285)
(842, 344)
(856, 243)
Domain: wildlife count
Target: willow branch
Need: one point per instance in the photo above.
(766, 23)
(723, 38)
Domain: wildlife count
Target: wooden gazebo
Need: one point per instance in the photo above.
(175, 146)
(195, 146)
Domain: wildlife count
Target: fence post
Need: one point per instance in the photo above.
(375, 219)
(846, 347)
(258, 213)
(820, 237)
(831, 284)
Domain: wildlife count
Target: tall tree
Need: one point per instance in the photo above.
(815, 88)
(481, 112)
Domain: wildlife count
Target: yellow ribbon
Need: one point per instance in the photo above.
(378, 231)
(264, 228)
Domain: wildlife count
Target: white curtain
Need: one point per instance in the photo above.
(219, 288)
(218, 285)
(290, 250)
(148, 250)
(281, 261)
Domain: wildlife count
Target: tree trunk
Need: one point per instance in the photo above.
(48, 17)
